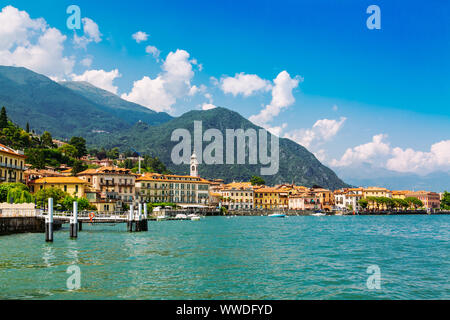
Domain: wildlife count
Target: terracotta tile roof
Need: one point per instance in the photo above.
(105, 170)
(57, 180)
(10, 151)
(171, 178)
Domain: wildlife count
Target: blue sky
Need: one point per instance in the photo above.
(394, 81)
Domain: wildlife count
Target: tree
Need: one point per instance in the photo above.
(28, 128)
(80, 144)
(363, 203)
(58, 196)
(47, 140)
(257, 181)
(68, 150)
(78, 166)
(445, 202)
(113, 153)
(6, 187)
(3, 118)
(414, 202)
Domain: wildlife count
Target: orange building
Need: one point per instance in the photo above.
(431, 200)
(325, 197)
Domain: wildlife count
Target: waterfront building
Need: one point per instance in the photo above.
(400, 194)
(72, 185)
(271, 198)
(305, 201)
(102, 204)
(12, 165)
(238, 195)
(377, 192)
(113, 183)
(348, 198)
(431, 200)
(325, 196)
(182, 190)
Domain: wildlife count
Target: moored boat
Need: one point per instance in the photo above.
(277, 215)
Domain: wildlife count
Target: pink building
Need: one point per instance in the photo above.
(431, 200)
(304, 202)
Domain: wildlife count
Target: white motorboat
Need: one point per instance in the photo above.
(318, 214)
(161, 218)
(277, 215)
(195, 218)
(181, 216)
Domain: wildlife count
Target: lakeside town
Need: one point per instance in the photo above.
(109, 185)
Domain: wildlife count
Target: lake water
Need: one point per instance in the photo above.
(236, 258)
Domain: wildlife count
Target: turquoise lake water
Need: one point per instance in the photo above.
(236, 258)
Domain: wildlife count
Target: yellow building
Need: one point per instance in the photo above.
(377, 192)
(183, 190)
(114, 183)
(400, 194)
(102, 205)
(237, 195)
(325, 196)
(12, 165)
(71, 185)
(271, 198)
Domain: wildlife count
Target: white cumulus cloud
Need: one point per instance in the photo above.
(32, 44)
(373, 152)
(140, 36)
(323, 130)
(162, 92)
(100, 78)
(91, 33)
(379, 153)
(245, 84)
(208, 106)
(409, 160)
(282, 97)
(153, 51)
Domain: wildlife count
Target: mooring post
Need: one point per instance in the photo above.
(139, 218)
(130, 219)
(74, 221)
(49, 222)
(145, 222)
(80, 225)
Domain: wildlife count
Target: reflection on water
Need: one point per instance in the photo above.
(239, 258)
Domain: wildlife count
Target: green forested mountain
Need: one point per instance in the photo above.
(296, 163)
(111, 103)
(80, 109)
(47, 105)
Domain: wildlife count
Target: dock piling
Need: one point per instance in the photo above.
(145, 221)
(49, 222)
(74, 221)
(130, 219)
(139, 218)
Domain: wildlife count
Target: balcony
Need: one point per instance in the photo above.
(11, 166)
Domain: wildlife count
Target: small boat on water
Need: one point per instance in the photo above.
(181, 216)
(318, 214)
(277, 215)
(161, 218)
(195, 218)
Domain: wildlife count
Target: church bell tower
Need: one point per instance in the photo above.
(194, 165)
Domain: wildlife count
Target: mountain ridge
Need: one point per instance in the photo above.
(297, 164)
(73, 108)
